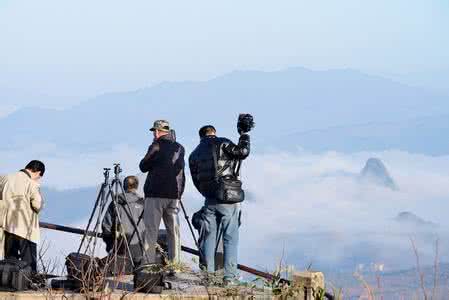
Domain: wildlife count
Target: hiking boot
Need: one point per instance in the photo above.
(231, 282)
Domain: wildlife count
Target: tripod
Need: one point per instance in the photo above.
(109, 195)
(191, 230)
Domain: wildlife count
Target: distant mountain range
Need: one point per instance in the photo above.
(65, 206)
(342, 110)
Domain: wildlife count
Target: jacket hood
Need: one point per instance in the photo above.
(131, 197)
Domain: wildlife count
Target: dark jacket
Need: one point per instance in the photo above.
(134, 211)
(203, 169)
(165, 164)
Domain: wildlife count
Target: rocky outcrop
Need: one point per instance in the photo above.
(409, 218)
(375, 172)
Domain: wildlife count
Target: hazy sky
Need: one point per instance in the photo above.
(82, 48)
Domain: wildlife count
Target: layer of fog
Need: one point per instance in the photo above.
(6, 110)
(309, 216)
(304, 207)
(66, 170)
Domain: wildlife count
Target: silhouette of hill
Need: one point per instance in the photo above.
(318, 110)
(409, 218)
(375, 172)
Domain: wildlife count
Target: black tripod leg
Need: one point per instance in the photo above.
(117, 184)
(136, 228)
(202, 258)
(100, 196)
(103, 203)
(219, 235)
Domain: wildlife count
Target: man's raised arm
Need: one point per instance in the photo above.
(240, 151)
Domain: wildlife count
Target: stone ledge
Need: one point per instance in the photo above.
(119, 296)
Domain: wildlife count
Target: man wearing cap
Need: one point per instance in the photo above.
(163, 189)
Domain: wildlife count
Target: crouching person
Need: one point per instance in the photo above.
(23, 201)
(121, 229)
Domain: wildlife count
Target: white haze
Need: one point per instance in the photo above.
(317, 213)
(304, 207)
(6, 110)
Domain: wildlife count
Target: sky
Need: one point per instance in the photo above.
(67, 51)
(58, 53)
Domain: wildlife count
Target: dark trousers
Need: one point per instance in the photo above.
(20, 248)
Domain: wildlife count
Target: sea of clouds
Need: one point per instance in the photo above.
(6, 110)
(305, 208)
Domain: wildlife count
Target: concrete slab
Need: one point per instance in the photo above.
(126, 295)
(187, 285)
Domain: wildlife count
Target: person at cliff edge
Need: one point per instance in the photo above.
(23, 202)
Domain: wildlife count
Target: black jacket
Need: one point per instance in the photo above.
(202, 166)
(164, 163)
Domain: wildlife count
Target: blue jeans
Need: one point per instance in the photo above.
(225, 218)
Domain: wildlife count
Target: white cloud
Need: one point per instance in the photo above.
(6, 110)
(300, 206)
(307, 203)
(71, 170)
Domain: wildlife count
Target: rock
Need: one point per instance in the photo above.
(376, 172)
(410, 218)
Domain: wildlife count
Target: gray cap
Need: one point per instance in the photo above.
(161, 125)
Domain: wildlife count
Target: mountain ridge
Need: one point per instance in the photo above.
(297, 99)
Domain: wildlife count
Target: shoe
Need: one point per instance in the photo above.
(231, 282)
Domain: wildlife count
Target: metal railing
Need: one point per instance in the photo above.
(241, 267)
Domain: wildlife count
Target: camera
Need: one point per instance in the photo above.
(245, 123)
(117, 169)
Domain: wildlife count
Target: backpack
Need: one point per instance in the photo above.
(15, 275)
(85, 269)
(149, 279)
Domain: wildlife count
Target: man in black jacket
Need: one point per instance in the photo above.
(163, 188)
(215, 158)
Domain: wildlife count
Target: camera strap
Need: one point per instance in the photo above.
(215, 150)
(237, 169)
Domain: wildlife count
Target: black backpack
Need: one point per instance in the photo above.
(149, 279)
(15, 275)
